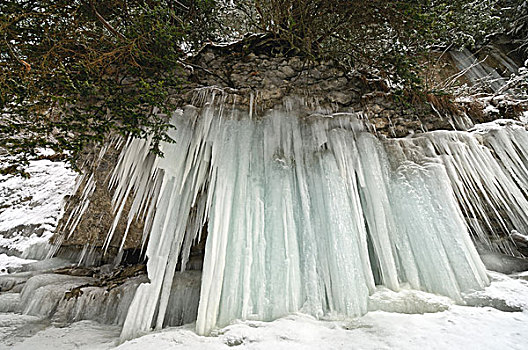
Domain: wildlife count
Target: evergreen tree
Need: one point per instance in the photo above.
(71, 71)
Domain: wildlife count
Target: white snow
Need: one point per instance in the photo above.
(514, 292)
(22, 332)
(30, 208)
(459, 327)
(443, 326)
(491, 109)
(524, 117)
(407, 301)
(7, 261)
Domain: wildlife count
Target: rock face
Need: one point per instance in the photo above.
(503, 263)
(254, 74)
(250, 68)
(89, 213)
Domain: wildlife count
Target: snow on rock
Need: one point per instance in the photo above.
(10, 325)
(436, 323)
(503, 263)
(504, 293)
(524, 117)
(490, 109)
(407, 301)
(458, 327)
(7, 262)
(30, 208)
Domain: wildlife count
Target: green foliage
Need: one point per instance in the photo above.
(388, 38)
(471, 23)
(466, 23)
(384, 37)
(516, 24)
(72, 71)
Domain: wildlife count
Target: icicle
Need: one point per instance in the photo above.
(308, 214)
(489, 182)
(478, 72)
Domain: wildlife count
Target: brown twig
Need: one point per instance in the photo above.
(105, 22)
(26, 65)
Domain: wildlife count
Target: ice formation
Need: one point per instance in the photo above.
(479, 73)
(310, 213)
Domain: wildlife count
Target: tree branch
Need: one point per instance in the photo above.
(26, 65)
(105, 22)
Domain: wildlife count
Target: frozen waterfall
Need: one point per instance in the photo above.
(310, 213)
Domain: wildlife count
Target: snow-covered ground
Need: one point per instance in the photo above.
(457, 327)
(22, 332)
(9, 261)
(30, 208)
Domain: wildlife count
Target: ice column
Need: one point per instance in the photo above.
(487, 169)
(306, 214)
(176, 182)
(286, 229)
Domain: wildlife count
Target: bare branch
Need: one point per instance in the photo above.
(26, 65)
(105, 22)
